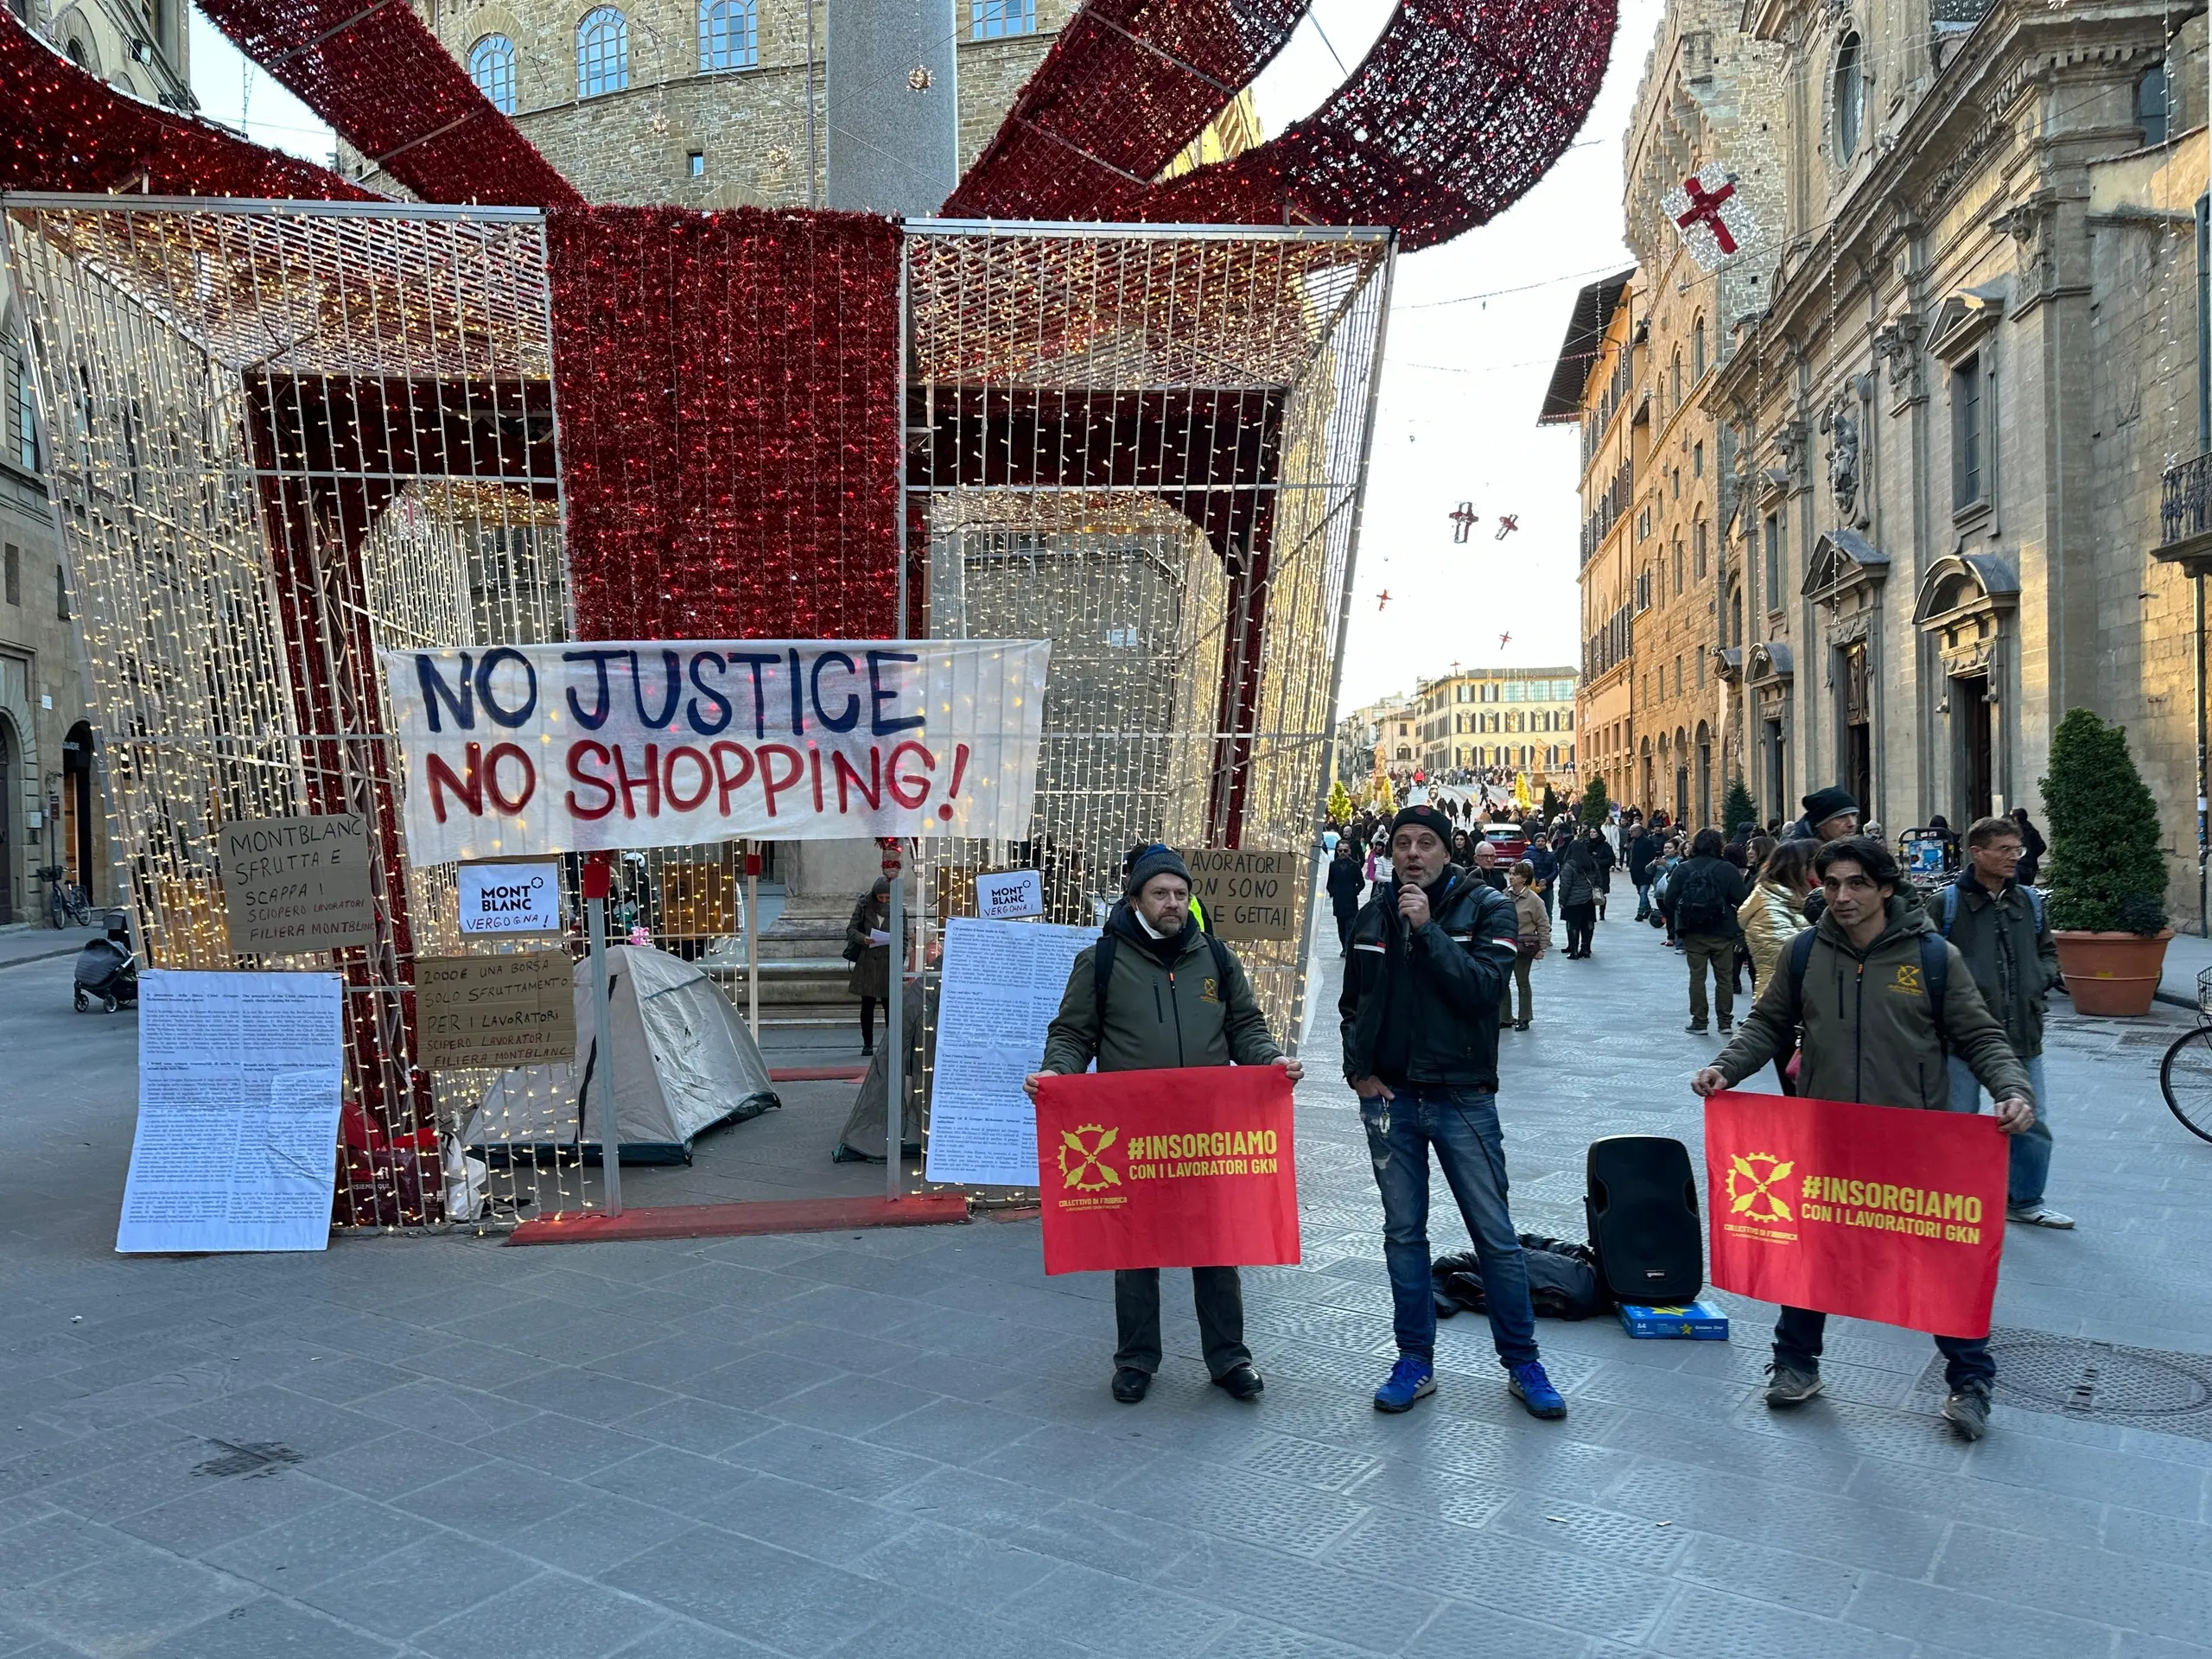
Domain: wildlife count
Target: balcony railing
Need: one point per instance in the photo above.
(2185, 505)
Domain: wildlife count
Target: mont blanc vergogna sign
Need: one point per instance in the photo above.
(520, 750)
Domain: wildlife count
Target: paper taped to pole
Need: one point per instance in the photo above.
(1874, 1211)
(522, 750)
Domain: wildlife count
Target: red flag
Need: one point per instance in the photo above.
(1875, 1212)
(1188, 1168)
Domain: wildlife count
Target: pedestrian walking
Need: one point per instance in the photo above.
(1662, 879)
(1885, 1049)
(1545, 863)
(1702, 895)
(1430, 956)
(1484, 866)
(1602, 854)
(1346, 888)
(2033, 847)
(1533, 940)
(1170, 994)
(1771, 915)
(1829, 813)
(1643, 853)
(1578, 896)
(868, 947)
(1998, 926)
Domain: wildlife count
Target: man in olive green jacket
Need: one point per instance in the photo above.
(1858, 1003)
(1174, 996)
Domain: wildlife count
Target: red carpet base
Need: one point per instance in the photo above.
(743, 1220)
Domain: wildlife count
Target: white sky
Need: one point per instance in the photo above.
(1462, 378)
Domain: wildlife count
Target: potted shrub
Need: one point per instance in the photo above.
(2107, 877)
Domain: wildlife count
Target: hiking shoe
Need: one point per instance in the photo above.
(1241, 1381)
(1130, 1384)
(2038, 1214)
(1696, 1027)
(1788, 1385)
(1528, 1384)
(1411, 1378)
(1967, 1411)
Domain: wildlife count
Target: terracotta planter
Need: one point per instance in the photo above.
(2111, 973)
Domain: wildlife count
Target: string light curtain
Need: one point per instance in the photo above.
(281, 437)
(1459, 109)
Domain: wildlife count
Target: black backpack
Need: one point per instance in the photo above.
(1699, 904)
(1934, 975)
(1102, 970)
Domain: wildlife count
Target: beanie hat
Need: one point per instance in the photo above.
(1423, 816)
(1824, 804)
(1154, 861)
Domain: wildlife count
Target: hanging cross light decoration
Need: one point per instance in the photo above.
(1507, 523)
(1463, 519)
(1715, 222)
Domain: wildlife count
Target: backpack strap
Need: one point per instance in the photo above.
(1220, 963)
(1102, 973)
(1801, 955)
(1935, 980)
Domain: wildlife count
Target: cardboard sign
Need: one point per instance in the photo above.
(508, 899)
(293, 884)
(1002, 895)
(1874, 1211)
(520, 751)
(1188, 1168)
(1248, 896)
(239, 1082)
(495, 1011)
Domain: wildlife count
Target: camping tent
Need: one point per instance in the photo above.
(684, 1062)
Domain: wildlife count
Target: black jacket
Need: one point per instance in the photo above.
(1728, 886)
(1428, 1013)
(1347, 881)
(1642, 853)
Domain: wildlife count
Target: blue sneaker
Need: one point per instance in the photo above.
(1411, 1378)
(1528, 1384)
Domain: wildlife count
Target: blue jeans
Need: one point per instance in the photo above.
(1461, 1125)
(1797, 1344)
(2031, 1151)
(1644, 901)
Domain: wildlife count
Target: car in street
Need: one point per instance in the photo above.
(1508, 839)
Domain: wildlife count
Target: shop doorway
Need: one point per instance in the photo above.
(77, 807)
(8, 786)
(1777, 772)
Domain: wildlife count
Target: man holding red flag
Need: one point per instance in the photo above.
(1156, 992)
(1874, 998)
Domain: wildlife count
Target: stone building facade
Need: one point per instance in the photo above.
(1951, 429)
(1642, 351)
(1520, 718)
(710, 105)
(52, 810)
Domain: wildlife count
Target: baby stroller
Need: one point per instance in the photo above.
(107, 971)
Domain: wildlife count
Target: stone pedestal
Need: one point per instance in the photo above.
(823, 881)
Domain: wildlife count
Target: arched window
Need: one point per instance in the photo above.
(492, 67)
(1675, 382)
(729, 35)
(1697, 351)
(2153, 107)
(1850, 93)
(603, 52)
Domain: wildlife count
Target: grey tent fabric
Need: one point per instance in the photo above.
(684, 1062)
(863, 1137)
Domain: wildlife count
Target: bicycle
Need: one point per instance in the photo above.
(2185, 1075)
(66, 901)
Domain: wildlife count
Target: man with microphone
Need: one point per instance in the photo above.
(1430, 955)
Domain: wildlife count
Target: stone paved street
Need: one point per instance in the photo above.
(901, 1443)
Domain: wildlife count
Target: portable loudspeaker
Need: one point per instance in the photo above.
(1642, 1204)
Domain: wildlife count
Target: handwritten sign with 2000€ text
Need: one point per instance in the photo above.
(1248, 896)
(292, 885)
(495, 1011)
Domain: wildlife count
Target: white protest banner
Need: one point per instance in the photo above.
(517, 751)
(522, 898)
(1003, 895)
(237, 1145)
(1002, 985)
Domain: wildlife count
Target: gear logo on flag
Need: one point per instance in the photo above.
(1087, 1173)
(1755, 1200)
(1715, 221)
